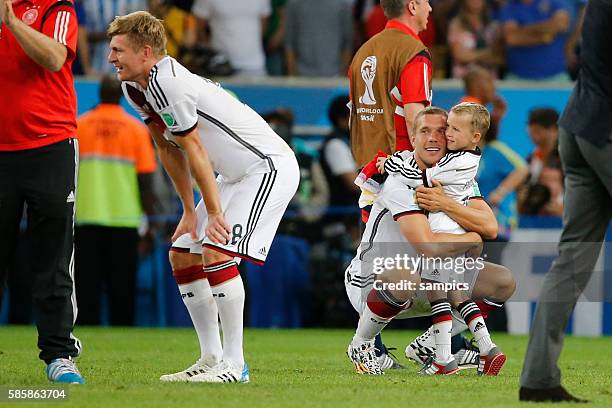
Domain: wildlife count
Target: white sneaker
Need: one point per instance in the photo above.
(224, 372)
(421, 348)
(363, 356)
(199, 368)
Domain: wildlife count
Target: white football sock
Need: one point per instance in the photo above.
(229, 296)
(369, 326)
(478, 327)
(442, 335)
(198, 299)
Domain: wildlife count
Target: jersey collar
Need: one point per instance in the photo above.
(402, 27)
(161, 62)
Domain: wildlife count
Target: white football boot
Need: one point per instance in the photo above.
(224, 372)
(199, 368)
(363, 356)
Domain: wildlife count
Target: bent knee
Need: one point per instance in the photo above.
(211, 256)
(182, 260)
(506, 284)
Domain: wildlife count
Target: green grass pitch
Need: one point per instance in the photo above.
(289, 368)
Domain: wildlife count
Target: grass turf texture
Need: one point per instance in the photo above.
(288, 368)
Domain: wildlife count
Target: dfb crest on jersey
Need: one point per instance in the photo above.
(30, 16)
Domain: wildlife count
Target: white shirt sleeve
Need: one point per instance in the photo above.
(399, 164)
(143, 115)
(201, 8)
(456, 168)
(179, 109)
(399, 198)
(339, 157)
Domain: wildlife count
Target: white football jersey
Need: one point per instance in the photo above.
(238, 141)
(382, 237)
(455, 171)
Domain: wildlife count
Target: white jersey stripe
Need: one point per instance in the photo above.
(60, 27)
(61, 33)
(395, 93)
(426, 83)
(66, 27)
(57, 25)
(73, 301)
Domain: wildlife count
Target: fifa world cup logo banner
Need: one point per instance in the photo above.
(368, 73)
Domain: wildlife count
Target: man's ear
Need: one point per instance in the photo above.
(411, 7)
(147, 51)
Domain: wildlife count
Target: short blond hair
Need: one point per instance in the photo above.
(481, 120)
(141, 28)
(430, 110)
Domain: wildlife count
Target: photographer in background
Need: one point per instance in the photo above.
(543, 193)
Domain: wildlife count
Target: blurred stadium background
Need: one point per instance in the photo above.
(301, 285)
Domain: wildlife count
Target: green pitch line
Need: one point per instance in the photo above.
(289, 368)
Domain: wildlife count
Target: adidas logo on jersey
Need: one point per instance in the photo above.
(478, 326)
(70, 198)
(262, 251)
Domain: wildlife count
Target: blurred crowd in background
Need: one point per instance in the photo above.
(476, 41)
(524, 39)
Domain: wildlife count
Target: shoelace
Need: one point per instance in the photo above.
(64, 366)
(427, 366)
(389, 350)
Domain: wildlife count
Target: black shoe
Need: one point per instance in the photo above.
(459, 342)
(557, 394)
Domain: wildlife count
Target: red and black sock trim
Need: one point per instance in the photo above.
(383, 304)
(179, 250)
(440, 311)
(189, 274)
(469, 311)
(220, 272)
(486, 306)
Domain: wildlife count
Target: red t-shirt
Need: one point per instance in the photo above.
(414, 86)
(37, 106)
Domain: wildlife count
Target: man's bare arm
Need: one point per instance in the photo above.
(176, 166)
(539, 33)
(410, 111)
(201, 169)
(516, 36)
(513, 181)
(43, 50)
(417, 231)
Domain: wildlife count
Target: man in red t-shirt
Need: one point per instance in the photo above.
(38, 165)
(390, 82)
